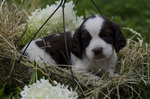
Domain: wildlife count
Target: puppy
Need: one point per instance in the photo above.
(93, 46)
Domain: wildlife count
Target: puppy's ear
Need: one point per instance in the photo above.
(119, 39)
(75, 44)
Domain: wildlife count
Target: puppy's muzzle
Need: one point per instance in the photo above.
(98, 53)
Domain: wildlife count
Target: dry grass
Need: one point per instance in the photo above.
(133, 64)
(12, 19)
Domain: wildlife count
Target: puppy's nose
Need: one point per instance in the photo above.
(98, 50)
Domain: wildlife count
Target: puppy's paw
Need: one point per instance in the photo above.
(94, 77)
(91, 76)
(114, 75)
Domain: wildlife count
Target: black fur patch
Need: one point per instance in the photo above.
(112, 34)
(54, 45)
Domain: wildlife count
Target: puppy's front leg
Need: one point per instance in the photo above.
(82, 67)
(111, 72)
(91, 76)
(88, 74)
(82, 70)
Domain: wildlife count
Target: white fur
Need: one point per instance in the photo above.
(72, 33)
(38, 54)
(93, 25)
(57, 35)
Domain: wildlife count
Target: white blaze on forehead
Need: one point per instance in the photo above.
(93, 25)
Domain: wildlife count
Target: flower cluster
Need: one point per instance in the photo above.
(55, 24)
(44, 90)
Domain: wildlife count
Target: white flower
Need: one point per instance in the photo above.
(55, 24)
(44, 90)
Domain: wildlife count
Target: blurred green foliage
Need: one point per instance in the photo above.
(127, 13)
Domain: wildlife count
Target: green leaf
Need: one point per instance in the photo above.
(5, 90)
(2, 92)
(17, 95)
(33, 77)
(19, 89)
(13, 97)
(7, 93)
(6, 96)
(36, 75)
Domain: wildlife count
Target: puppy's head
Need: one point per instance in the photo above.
(97, 37)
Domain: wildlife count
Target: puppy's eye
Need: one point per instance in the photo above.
(85, 39)
(85, 35)
(105, 35)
